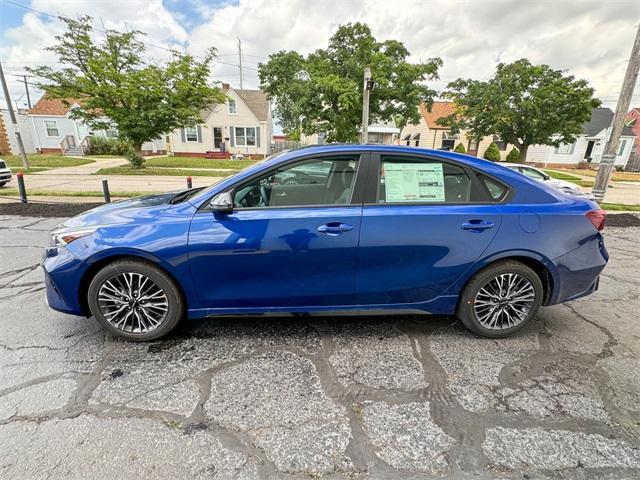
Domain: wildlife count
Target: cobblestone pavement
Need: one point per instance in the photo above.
(379, 398)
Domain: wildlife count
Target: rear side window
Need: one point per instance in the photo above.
(497, 190)
(421, 180)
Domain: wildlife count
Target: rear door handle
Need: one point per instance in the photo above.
(334, 228)
(477, 225)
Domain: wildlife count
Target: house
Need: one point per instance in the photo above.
(383, 132)
(428, 134)
(243, 123)
(8, 143)
(52, 130)
(632, 120)
(588, 147)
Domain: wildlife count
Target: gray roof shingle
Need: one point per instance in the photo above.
(601, 119)
(257, 102)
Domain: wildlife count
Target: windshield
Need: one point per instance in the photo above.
(206, 191)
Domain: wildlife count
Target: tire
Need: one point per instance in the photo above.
(109, 307)
(491, 314)
(2, 184)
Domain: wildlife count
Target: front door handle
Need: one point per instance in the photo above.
(334, 228)
(477, 225)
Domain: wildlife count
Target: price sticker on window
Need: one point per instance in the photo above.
(414, 182)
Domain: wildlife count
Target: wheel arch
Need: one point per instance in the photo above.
(99, 263)
(542, 266)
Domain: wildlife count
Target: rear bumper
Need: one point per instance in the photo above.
(579, 270)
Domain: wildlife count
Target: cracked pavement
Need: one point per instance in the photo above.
(313, 397)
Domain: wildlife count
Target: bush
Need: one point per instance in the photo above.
(460, 148)
(513, 156)
(492, 153)
(135, 159)
(107, 146)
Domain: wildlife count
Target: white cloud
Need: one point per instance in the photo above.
(591, 39)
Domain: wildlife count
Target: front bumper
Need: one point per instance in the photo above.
(62, 276)
(5, 176)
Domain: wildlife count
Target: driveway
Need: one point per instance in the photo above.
(314, 397)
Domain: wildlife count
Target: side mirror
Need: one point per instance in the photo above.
(222, 203)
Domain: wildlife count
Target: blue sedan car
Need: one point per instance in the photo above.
(332, 229)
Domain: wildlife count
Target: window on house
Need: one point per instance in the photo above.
(51, 126)
(502, 145)
(191, 134)
(232, 108)
(375, 137)
(245, 136)
(448, 140)
(621, 146)
(416, 139)
(565, 148)
(473, 145)
(111, 133)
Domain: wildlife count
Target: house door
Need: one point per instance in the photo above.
(472, 148)
(217, 137)
(587, 153)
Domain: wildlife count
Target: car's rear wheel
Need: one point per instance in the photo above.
(135, 300)
(500, 299)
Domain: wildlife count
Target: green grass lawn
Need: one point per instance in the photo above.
(612, 207)
(13, 192)
(195, 162)
(562, 176)
(162, 171)
(44, 162)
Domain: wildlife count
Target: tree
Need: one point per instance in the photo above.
(460, 148)
(524, 104)
(492, 153)
(323, 91)
(513, 156)
(114, 87)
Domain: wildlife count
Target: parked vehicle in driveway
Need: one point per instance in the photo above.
(332, 229)
(5, 173)
(542, 176)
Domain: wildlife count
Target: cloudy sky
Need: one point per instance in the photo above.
(590, 39)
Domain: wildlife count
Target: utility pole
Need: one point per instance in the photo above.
(26, 89)
(25, 162)
(626, 92)
(367, 87)
(240, 61)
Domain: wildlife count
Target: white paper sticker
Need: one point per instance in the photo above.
(414, 182)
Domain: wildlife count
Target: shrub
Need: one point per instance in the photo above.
(135, 159)
(513, 156)
(460, 148)
(492, 153)
(107, 146)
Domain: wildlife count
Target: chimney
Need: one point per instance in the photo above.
(226, 86)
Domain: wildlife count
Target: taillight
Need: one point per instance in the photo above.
(597, 217)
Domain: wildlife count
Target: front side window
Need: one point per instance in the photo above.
(326, 181)
(245, 136)
(191, 134)
(417, 180)
(532, 173)
(51, 126)
(232, 108)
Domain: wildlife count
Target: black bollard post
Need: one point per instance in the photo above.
(105, 191)
(21, 187)
(189, 182)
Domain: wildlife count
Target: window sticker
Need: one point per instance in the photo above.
(414, 182)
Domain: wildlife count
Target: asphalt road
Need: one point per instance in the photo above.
(378, 398)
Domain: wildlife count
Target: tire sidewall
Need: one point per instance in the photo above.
(466, 311)
(176, 304)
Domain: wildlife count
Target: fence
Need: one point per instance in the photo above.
(277, 147)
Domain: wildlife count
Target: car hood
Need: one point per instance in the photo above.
(122, 212)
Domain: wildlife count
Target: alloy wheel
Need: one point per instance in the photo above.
(504, 301)
(133, 303)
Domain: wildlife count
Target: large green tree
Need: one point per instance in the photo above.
(323, 91)
(524, 104)
(115, 87)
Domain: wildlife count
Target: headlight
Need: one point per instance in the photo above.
(62, 238)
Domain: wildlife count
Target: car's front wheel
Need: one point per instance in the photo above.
(135, 300)
(500, 299)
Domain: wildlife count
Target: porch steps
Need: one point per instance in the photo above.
(73, 152)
